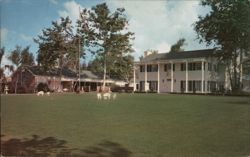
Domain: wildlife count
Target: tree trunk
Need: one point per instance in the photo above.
(240, 69)
(235, 74)
(236, 84)
(230, 74)
(104, 73)
(16, 84)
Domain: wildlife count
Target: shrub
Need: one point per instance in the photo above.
(43, 87)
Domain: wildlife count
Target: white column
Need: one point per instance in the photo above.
(202, 77)
(158, 78)
(145, 78)
(205, 80)
(172, 77)
(134, 80)
(186, 76)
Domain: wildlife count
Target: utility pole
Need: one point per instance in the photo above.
(79, 63)
(81, 38)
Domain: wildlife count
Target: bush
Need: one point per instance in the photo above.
(43, 87)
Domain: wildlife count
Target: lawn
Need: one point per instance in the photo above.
(133, 125)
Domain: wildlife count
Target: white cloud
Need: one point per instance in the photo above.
(4, 33)
(156, 24)
(25, 37)
(53, 1)
(159, 24)
(163, 47)
(71, 10)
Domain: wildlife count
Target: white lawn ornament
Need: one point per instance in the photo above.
(48, 93)
(114, 96)
(40, 93)
(106, 96)
(99, 96)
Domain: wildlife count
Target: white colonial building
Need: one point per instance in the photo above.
(179, 72)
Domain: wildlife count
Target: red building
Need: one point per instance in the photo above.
(27, 78)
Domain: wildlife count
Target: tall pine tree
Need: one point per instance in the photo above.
(112, 40)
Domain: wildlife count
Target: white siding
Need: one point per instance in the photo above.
(178, 75)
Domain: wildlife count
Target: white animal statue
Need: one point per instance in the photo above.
(114, 96)
(106, 96)
(40, 93)
(99, 96)
(48, 93)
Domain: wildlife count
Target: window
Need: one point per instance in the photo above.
(183, 86)
(142, 85)
(183, 66)
(149, 68)
(167, 67)
(153, 85)
(190, 86)
(197, 85)
(194, 66)
(204, 86)
(154, 68)
(142, 68)
(198, 66)
(209, 68)
(194, 86)
(190, 66)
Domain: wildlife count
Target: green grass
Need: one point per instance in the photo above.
(145, 125)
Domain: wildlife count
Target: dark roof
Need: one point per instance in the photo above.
(180, 55)
(38, 70)
(153, 57)
(88, 74)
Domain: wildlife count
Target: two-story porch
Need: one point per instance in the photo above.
(196, 72)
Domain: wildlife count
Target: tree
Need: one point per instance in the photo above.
(55, 44)
(110, 36)
(21, 57)
(27, 57)
(177, 47)
(227, 27)
(121, 69)
(96, 65)
(2, 51)
(124, 68)
(15, 56)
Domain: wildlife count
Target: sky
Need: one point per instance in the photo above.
(157, 24)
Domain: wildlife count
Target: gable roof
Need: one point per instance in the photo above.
(88, 74)
(180, 55)
(38, 70)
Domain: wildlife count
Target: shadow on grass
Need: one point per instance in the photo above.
(52, 147)
(239, 102)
